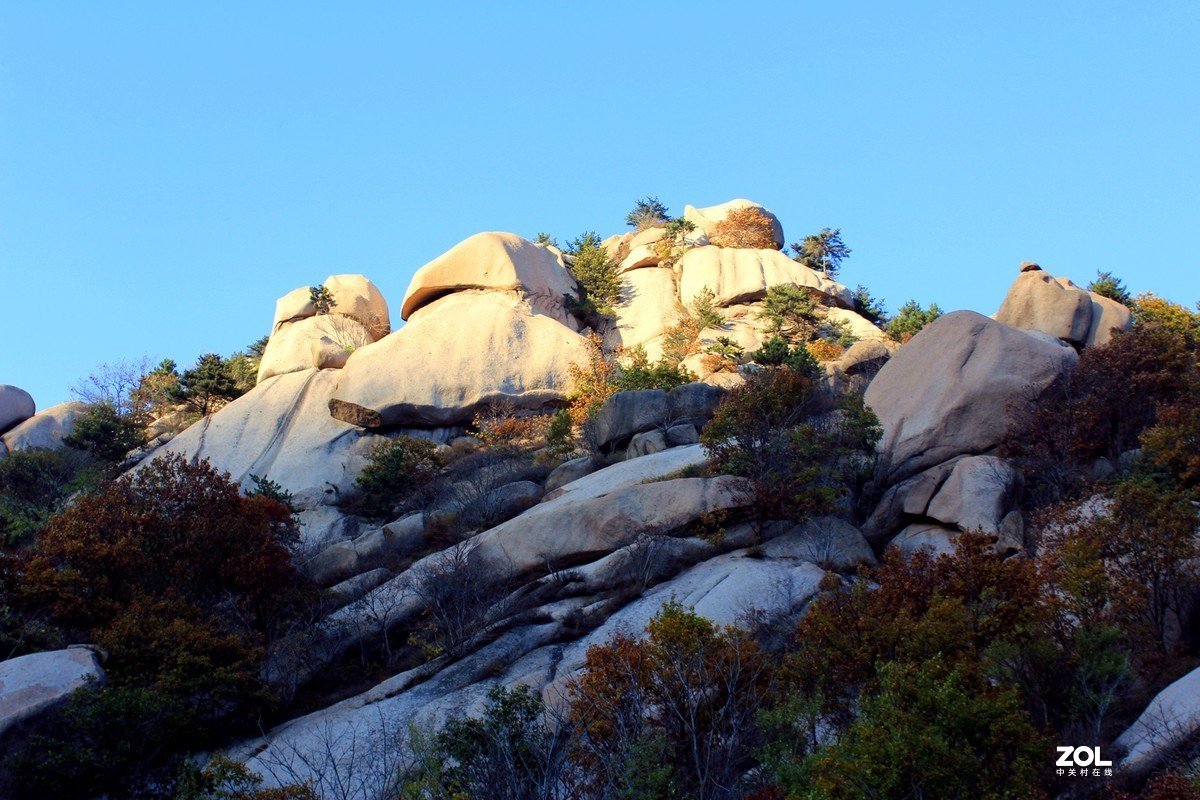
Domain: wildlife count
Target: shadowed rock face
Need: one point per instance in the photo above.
(950, 391)
(32, 684)
(16, 406)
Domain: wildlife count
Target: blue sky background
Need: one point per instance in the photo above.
(167, 170)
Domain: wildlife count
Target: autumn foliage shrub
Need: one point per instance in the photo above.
(668, 715)
(744, 227)
(186, 583)
(800, 448)
(1103, 408)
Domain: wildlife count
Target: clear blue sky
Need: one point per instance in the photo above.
(168, 169)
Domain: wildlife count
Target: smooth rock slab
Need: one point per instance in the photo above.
(47, 429)
(738, 275)
(950, 391)
(32, 684)
(281, 429)
(1170, 719)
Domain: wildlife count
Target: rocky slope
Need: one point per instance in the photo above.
(594, 546)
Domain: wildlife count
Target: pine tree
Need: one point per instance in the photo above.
(822, 251)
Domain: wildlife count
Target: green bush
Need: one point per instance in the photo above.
(208, 385)
(399, 473)
(35, 485)
(647, 213)
(775, 352)
(790, 311)
(106, 435)
(321, 298)
(867, 306)
(638, 373)
(777, 430)
(1110, 286)
(597, 275)
(911, 320)
(705, 311)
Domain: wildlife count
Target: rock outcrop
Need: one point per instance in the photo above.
(1038, 301)
(301, 339)
(282, 430)
(323, 342)
(455, 356)
(31, 685)
(738, 275)
(950, 391)
(496, 262)
(1170, 720)
(46, 429)
(707, 219)
(354, 296)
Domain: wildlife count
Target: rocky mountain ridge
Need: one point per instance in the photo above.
(592, 547)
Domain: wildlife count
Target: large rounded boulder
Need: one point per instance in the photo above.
(707, 219)
(47, 429)
(454, 358)
(497, 262)
(324, 342)
(951, 390)
(354, 296)
(739, 275)
(16, 406)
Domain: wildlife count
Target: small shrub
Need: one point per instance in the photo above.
(560, 437)
(727, 350)
(593, 382)
(503, 426)
(823, 350)
(911, 320)
(638, 373)
(744, 227)
(545, 238)
(321, 298)
(672, 245)
(705, 311)
(400, 472)
(265, 487)
(776, 353)
(681, 339)
(791, 311)
(867, 306)
(106, 435)
(1110, 286)
(647, 213)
